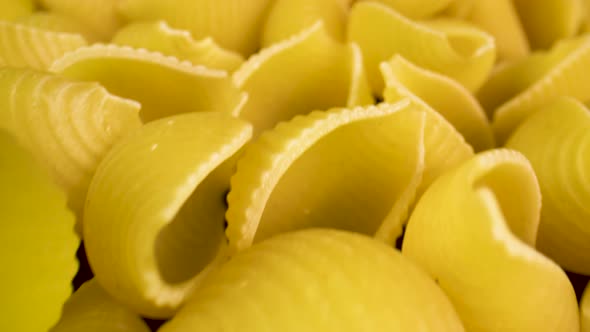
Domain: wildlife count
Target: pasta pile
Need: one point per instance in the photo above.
(295, 165)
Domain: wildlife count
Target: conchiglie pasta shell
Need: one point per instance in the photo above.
(452, 48)
(91, 309)
(68, 126)
(585, 311)
(317, 280)
(13, 10)
(154, 216)
(26, 46)
(58, 23)
(163, 85)
(556, 140)
(158, 36)
(455, 103)
(415, 9)
(38, 243)
(474, 232)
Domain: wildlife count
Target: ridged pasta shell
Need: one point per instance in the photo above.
(163, 85)
(445, 95)
(280, 85)
(158, 36)
(449, 47)
(91, 309)
(38, 243)
(56, 22)
(415, 9)
(68, 126)
(474, 232)
(317, 280)
(154, 216)
(27, 46)
(13, 10)
(556, 140)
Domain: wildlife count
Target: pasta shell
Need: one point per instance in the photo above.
(452, 48)
(556, 140)
(442, 93)
(68, 126)
(38, 243)
(26, 46)
(58, 23)
(474, 232)
(160, 37)
(234, 24)
(12, 10)
(585, 311)
(289, 17)
(154, 216)
(415, 9)
(567, 77)
(317, 280)
(91, 309)
(163, 85)
(280, 85)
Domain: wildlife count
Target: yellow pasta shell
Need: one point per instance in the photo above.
(38, 243)
(280, 85)
(27, 46)
(154, 216)
(556, 140)
(449, 47)
(12, 10)
(158, 36)
(474, 232)
(163, 85)
(58, 23)
(234, 24)
(68, 126)
(317, 280)
(585, 311)
(415, 9)
(91, 309)
(455, 103)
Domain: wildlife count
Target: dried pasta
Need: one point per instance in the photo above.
(52, 21)
(13, 10)
(585, 311)
(416, 9)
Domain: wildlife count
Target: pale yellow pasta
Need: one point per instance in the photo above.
(12, 10)
(415, 9)
(91, 309)
(556, 140)
(446, 46)
(158, 36)
(52, 21)
(27, 46)
(67, 125)
(474, 232)
(306, 72)
(163, 85)
(154, 216)
(443, 94)
(234, 24)
(317, 280)
(585, 311)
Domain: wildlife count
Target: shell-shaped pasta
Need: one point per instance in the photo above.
(556, 140)
(289, 17)
(317, 280)
(154, 217)
(12, 10)
(163, 85)
(38, 243)
(567, 77)
(91, 309)
(27, 46)
(234, 24)
(99, 16)
(474, 232)
(280, 85)
(449, 47)
(448, 97)
(68, 126)
(585, 310)
(548, 21)
(415, 9)
(158, 36)
(58, 23)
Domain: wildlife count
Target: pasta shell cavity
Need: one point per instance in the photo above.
(27, 46)
(556, 140)
(474, 231)
(446, 46)
(280, 85)
(158, 36)
(304, 281)
(154, 217)
(38, 242)
(91, 309)
(163, 85)
(68, 126)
